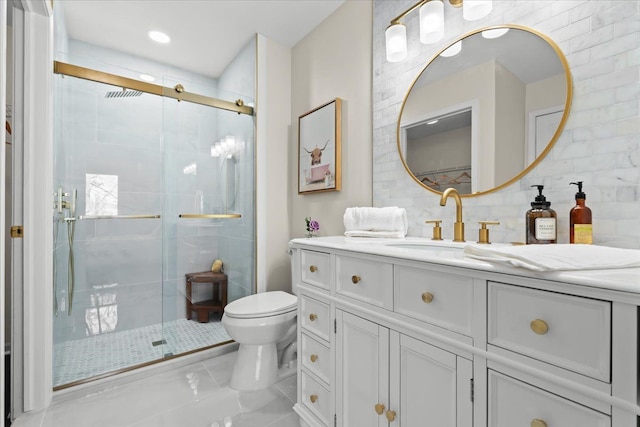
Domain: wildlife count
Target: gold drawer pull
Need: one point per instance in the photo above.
(313, 358)
(355, 279)
(391, 416)
(313, 317)
(539, 326)
(379, 408)
(427, 297)
(538, 423)
(313, 268)
(313, 398)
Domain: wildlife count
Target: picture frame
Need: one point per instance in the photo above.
(320, 149)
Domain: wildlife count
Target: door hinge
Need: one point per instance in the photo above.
(335, 326)
(17, 232)
(472, 390)
(335, 420)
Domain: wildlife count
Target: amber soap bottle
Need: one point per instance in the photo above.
(540, 220)
(580, 226)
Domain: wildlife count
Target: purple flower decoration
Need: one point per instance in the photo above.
(312, 226)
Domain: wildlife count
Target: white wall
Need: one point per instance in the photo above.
(334, 61)
(7, 189)
(599, 145)
(273, 141)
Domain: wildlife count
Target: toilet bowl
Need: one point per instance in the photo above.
(264, 325)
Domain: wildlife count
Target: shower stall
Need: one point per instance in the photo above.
(153, 182)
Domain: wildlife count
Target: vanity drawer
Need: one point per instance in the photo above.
(366, 280)
(316, 268)
(315, 397)
(314, 316)
(441, 299)
(315, 357)
(514, 403)
(567, 331)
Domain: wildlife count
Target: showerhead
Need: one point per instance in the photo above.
(124, 93)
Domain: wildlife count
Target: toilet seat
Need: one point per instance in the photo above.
(262, 305)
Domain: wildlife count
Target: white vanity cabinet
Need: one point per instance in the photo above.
(386, 378)
(406, 339)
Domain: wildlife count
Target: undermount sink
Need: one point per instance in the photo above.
(451, 246)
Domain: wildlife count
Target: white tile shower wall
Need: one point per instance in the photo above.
(600, 144)
(167, 137)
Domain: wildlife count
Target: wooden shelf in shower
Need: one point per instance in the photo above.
(218, 282)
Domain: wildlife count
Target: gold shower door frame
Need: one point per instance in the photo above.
(179, 94)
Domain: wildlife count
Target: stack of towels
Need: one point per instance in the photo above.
(375, 222)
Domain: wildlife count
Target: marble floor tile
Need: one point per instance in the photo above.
(196, 395)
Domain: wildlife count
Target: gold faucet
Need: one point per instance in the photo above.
(458, 227)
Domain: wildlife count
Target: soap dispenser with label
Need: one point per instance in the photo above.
(540, 220)
(580, 230)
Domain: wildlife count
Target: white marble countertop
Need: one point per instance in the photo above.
(445, 253)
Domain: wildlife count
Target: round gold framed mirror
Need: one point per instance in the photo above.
(480, 119)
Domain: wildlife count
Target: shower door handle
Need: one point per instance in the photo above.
(210, 216)
(150, 216)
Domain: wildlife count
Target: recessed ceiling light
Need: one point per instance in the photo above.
(147, 78)
(432, 122)
(158, 36)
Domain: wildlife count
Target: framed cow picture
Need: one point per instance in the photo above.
(319, 149)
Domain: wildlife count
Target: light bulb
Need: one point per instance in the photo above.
(452, 50)
(431, 21)
(473, 10)
(396, 42)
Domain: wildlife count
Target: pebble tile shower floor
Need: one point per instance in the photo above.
(88, 357)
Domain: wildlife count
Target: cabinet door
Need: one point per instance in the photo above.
(362, 371)
(429, 386)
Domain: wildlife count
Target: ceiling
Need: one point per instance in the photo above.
(205, 34)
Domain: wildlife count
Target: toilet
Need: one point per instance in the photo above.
(264, 325)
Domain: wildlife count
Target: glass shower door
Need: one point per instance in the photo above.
(108, 253)
(209, 215)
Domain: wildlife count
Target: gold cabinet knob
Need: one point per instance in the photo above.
(313, 358)
(313, 398)
(427, 297)
(313, 268)
(355, 279)
(538, 423)
(391, 416)
(379, 408)
(313, 317)
(539, 326)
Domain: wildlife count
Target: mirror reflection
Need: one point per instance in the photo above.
(479, 119)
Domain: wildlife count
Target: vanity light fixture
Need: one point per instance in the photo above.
(147, 78)
(495, 33)
(159, 37)
(228, 147)
(431, 23)
(452, 50)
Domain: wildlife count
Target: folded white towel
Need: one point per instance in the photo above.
(557, 256)
(384, 234)
(376, 219)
